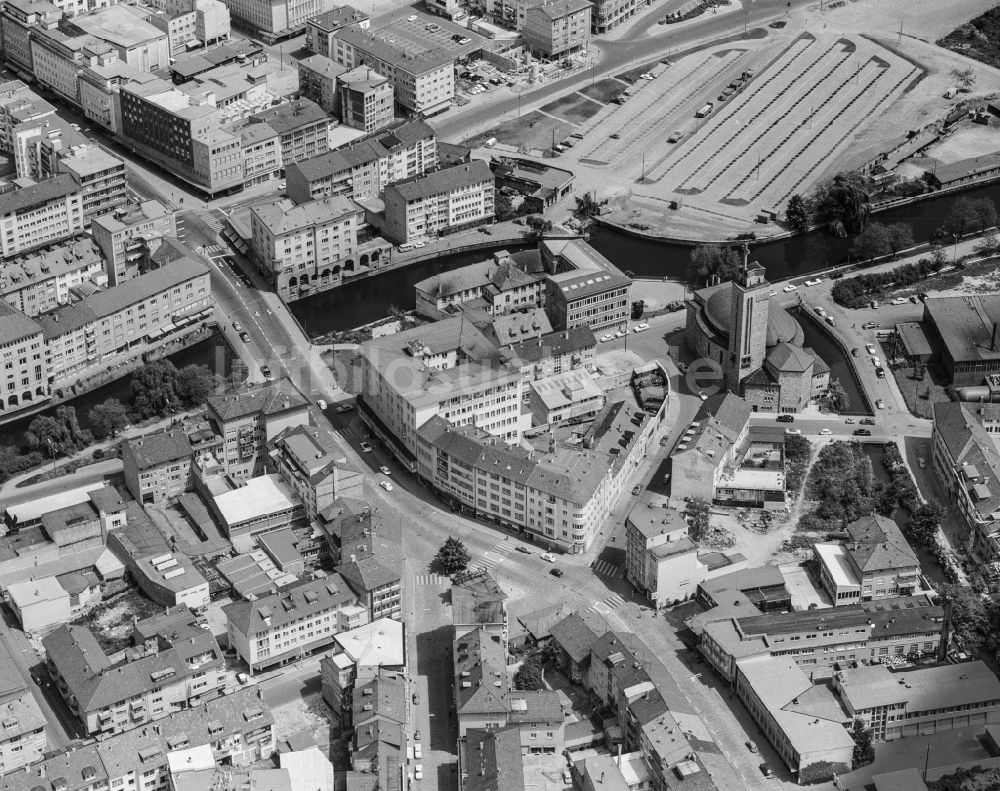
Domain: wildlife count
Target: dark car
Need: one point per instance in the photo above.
(786, 419)
(265, 371)
(862, 432)
(868, 421)
(636, 489)
(525, 550)
(556, 572)
(854, 352)
(244, 337)
(766, 771)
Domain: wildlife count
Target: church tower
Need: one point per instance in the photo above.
(748, 308)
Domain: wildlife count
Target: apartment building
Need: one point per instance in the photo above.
(273, 21)
(90, 333)
(100, 177)
(365, 100)
(965, 459)
(129, 235)
(59, 56)
(315, 468)
(99, 87)
(583, 288)
(19, 105)
(609, 14)
(40, 281)
(302, 125)
(24, 377)
(237, 728)
(157, 466)
(36, 214)
(556, 29)
(501, 282)
(173, 129)
(20, 17)
(321, 29)
(22, 737)
(439, 203)
(552, 353)
(874, 562)
(159, 678)
(133, 40)
(366, 167)
(422, 83)
(318, 81)
(370, 655)
(247, 421)
(885, 631)
(260, 146)
(306, 247)
(191, 23)
(293, 623)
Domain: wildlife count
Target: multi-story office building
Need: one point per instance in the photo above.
(40, 213)
(609, 14)
(99, 175)
(303, 126)
(318, 81)
(40, 281)
(261, 149)
(132, 39)
(94, 331)
(152, 681)
(366, 167)
(158, 466)
(128, 235)
(22, 738)
(273, 21)
(440, 203)
(24, 376)
(19, 105)
(315, 468)
(293, 623)
(20, 17)
(306, 247)
(189, 23)
(173, 129)
(99, 87)
(556, 29)
(422, 83)
(247, 421)
(583, 288)
(371, 655)
(321, 29)
(365, 100)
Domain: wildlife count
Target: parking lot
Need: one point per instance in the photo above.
(418, 33)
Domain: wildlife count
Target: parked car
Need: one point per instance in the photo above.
(548, 557)
(385, 485)
(418, 772)
(244, 337)
(814, 282)
(790, 288)
(265, 371)
(868, 421)
(854, 352)
(862, 432)
(385, 470)
(870, 348)
(829, 320)
(640, 327)
(636, 489)
(922, 463)
(849, 420)
(366, 448)
(237, 326)
(621, 334)
(418, 751)
(766, 771)
(321, 404)
(793, 431)
(556, 572)
(607, 337)
(345, 408)
(702, 395)
(825, 431)
(880, 404)
(785, 418)
(523, 549)
(416, 699)
(752, 747)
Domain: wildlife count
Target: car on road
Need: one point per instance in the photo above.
(416, 736)
(829, 320)
(862, 432)
(676, 137)
(880, 404)
(556, 572)
(876, 361)
(702, 396)
(752, 747)
(265, 371)
(385, 470)
(237, 326)
(648, 76)
(420, 243)
(411, 18)
(345, 408)
(416, 699)
(640, 327)
(418, 748)
(790, 288)
(485, 230)
(766, 771)
(880, 372)
(523, 549)
(663, 442)
(385, 485)
(244, 337)
(899, 301)
(636, 489)
(243, 678)
(868, 421)
(814, 282)
(607, 337)
(321, 404)
(825, 431)
(772, 293)
(922, 463)
(785, 418)
(854, 352)
(548, 557)
(366, 448)
(793, 431)
(820, 310)
(870, 348)
(870, 325)
(616, 136)
(621, 334)
(849, 420)
(418, 772)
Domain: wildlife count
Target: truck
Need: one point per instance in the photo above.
(704, 111)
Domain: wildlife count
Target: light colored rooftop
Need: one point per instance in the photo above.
(31, 510)
(835, 560)
(117, 26)
(376, 644)
(30, 592)
(259, 497)
(755, 478)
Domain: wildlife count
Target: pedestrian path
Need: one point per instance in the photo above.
(209, 217)
(494, 557)
(214, 249)
(606, 569)
(613, 602)
(432, 579)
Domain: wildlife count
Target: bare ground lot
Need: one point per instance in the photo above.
(533, 130)
(604, 90)
(573, 108)
(971, 141)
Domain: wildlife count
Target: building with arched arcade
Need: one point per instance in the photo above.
(755, 342)
(24, 374)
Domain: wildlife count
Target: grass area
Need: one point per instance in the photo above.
(533, 130)
(603, 90)
(632, 76)
(979, 39)
(573, 108)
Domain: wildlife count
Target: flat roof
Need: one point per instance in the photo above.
(921, 689)
(259, 497)
(965, 325)
(25, 594)
(32, 510)
(379, 643)
(116, 25)
(834, 558)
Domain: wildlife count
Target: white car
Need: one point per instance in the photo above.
(621, 333)
(876, 362)
(385, 485)
(793, 431)
(922, 463)
(899, 301)
(790, 288)
(321, 404)
(880, 404)
(418, 771)
(829, 320)
(702, 396)
(772, 293)
(819, 310)
(243, 678)
(870, 348)
(420, 243)
(814, 282)
(607, 337)
(418, 751)
(825, 431)
(640, 327)
(411, 18)
(548, 557)
(385, 470)
(648, 76)
(366, 448)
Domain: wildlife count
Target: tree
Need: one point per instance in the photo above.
(530, 676)
(502, 207)
(900, 237)
(924, 522)
(154, 388)
(873, 242)
(837, 397)
(989, 244)
(962, 217)
(193, 384)
(843, 203)
(108, 418)
(537, 227)
(985, 212)
(864, 749)
(966, 79)
(12, 461)
(699, 521)
(638, 307)
(57, 434)
(453, 557)
(712, 259)
(797, 213)
(938, 259)
(971, 618)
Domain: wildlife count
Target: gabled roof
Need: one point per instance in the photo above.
(877, 543)
(789, 358)
(574, 636)
(481, 682)
(289, 605)
(268, 399)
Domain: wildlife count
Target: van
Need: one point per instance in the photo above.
(704, 111)
(490, 143)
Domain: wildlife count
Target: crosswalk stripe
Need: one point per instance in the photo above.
(605, 568)
(612, 602)
(431, 579)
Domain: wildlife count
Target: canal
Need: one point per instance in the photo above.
(840, 367)
(212, 352)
